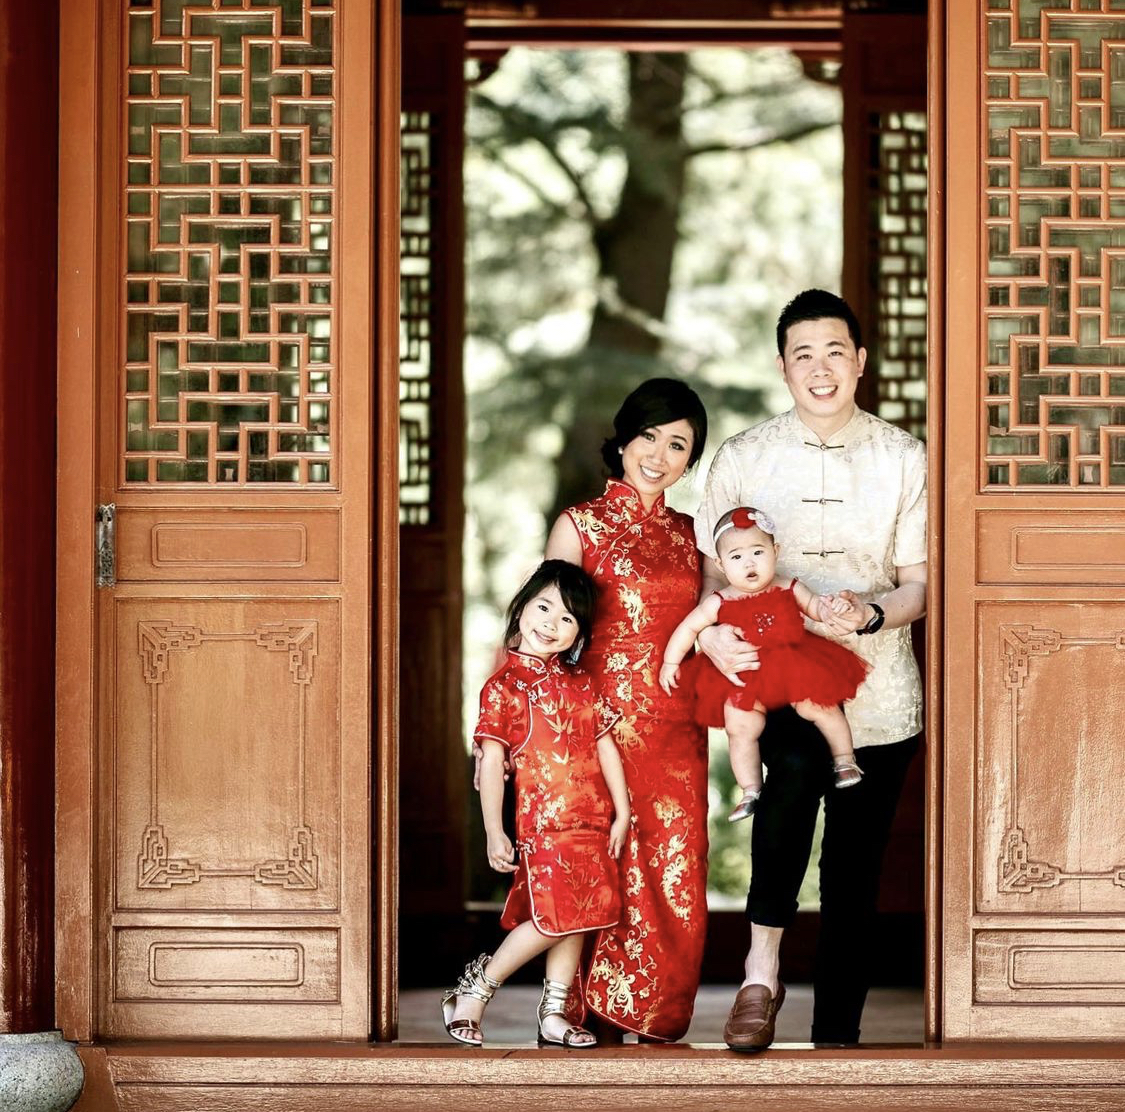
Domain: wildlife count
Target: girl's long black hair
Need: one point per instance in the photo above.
(579, 595)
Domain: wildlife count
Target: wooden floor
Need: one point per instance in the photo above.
(892, 1071)
(892, 1015)
(318, 1077)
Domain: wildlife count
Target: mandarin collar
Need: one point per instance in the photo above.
(528, 663)
(626, 497)
(843, 437)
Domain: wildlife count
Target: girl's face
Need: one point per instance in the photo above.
(656, 458)
(748, 558)
(546, 626)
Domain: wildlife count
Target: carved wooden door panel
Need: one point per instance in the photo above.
(228, 421)
(1034, 860)
(432, 766)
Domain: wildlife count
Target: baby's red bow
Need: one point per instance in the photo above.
(742, 518)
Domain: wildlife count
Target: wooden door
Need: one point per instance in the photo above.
(216, 385)
(433, 767)
(1034, 858)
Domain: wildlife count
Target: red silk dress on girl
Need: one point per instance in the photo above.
(549, 718)
(795, 664)
(643, 974)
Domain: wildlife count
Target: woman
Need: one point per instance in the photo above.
(643, 973)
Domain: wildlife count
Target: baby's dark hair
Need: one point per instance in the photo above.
(579, 595)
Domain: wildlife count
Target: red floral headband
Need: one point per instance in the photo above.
(746, 517)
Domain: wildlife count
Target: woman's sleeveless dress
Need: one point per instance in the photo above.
(643, 974)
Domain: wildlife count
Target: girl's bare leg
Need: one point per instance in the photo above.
(562, 964)
(517, 949)
(834, 726)
(744, 727)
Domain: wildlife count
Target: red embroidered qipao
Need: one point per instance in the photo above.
(549, 718)
(644, 972)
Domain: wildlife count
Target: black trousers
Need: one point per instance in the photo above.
(857, 823)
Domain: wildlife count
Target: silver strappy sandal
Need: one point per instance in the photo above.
(553, 1002)
(473, 982)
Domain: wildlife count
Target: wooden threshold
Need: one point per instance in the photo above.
(295, 1077)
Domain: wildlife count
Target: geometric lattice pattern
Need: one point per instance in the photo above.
(230, 183)
(415, 312)
(1055, 231)
(897, 190)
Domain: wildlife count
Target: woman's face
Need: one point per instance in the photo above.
(656, 458)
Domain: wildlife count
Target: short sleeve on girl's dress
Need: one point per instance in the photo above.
(503, 714)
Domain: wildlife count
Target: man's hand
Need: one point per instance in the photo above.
(843, 613)
(729, 652)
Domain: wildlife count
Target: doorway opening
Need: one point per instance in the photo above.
(555, 336)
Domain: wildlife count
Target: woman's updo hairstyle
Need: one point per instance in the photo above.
(657, 401)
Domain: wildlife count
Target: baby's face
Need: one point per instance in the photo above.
(748, 558)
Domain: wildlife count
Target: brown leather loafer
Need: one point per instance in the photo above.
(751, 1020)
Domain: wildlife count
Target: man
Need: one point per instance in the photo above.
(847, 493)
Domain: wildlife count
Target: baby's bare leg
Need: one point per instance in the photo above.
(833, 724)
(744, 727)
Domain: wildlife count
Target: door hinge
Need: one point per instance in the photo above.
(105, 545)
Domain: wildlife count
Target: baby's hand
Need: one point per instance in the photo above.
(618, 832)
(669, 677)
(822, 607)
(501, 853)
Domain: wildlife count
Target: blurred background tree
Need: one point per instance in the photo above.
(627, 215)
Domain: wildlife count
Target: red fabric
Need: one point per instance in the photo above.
(549, 717)
(795, 664)
(642, 974)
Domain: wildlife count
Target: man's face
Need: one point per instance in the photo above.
(822, 367)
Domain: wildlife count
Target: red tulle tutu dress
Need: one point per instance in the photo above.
(794, 663)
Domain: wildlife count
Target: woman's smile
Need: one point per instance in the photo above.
(656, 458)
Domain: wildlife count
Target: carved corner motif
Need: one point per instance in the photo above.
(298, 639)
(1018, 873)
(155, 869)
(1020, 643)
(158, 640)
(301, 867)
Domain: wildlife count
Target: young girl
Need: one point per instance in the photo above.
(544, 717)
(796, 667)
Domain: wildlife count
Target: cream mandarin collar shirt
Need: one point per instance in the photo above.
(848, 511)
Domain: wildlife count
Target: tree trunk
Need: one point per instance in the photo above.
(635, 249)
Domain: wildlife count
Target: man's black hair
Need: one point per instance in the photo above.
(816, 305)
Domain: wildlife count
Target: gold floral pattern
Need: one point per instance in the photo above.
(550, 718)
(645, 971)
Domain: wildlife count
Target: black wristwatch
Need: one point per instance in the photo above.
(876, 622)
